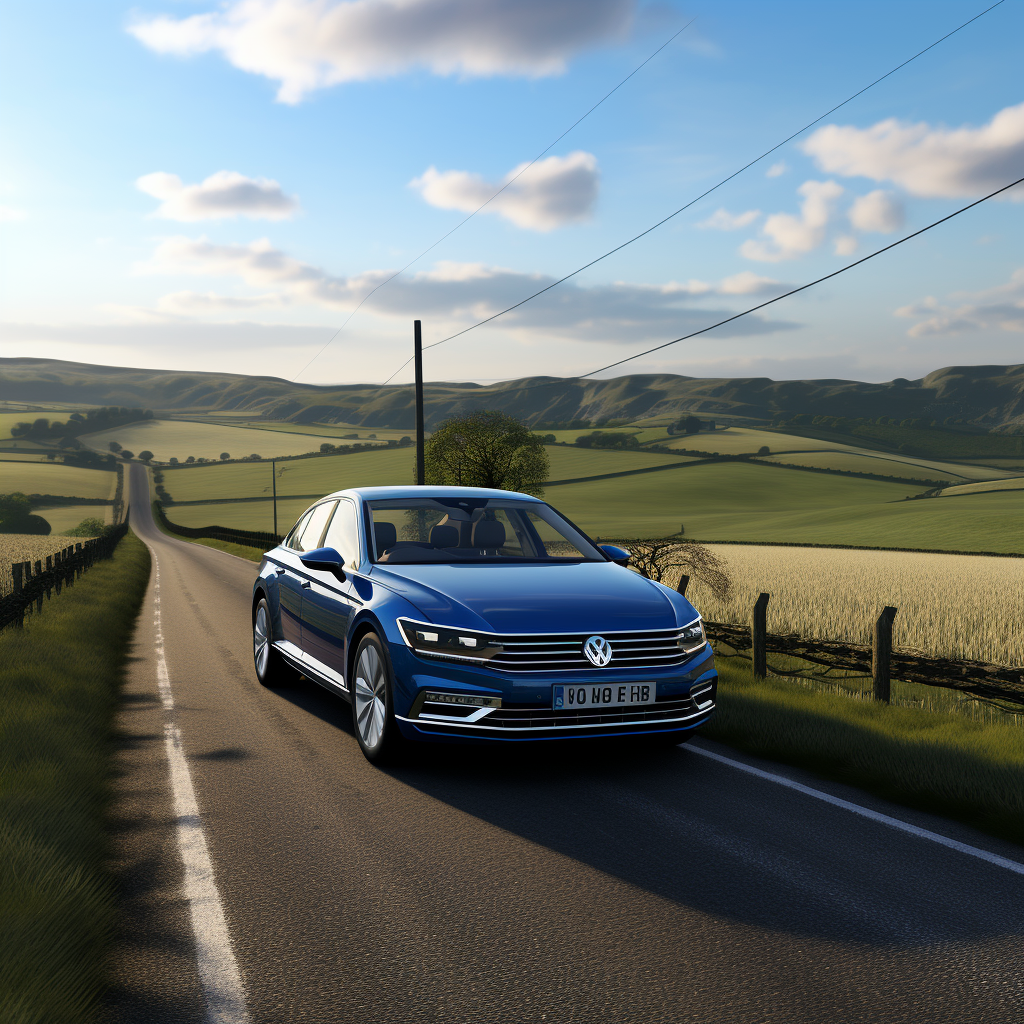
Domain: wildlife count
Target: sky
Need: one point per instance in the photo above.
(202, 185)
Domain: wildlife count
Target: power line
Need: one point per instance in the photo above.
(703, 195)
(547, 149)
(792, 291)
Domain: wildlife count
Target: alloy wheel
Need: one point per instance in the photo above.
(261, 641)
(370, 697)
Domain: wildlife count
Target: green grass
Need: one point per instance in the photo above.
(1015, 483)
(59, 678)
(304, 476)
(181, 438)
(881, 465)
(55, 478)
(64, 517)
(9, 419)
(943, 444)
(747, 502)
(740, 440)
(653, 504)
(570, 463)
(241, 550)
(935, 761)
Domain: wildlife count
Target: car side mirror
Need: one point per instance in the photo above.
(618, 555)
(324, 559)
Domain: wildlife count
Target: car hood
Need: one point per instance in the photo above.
(576, 598)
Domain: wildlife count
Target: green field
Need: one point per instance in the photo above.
(325, 431)
(9, 419)
(370, 469)
(1015, 483)
(179, 439)
(883, 465)
(65, 517)
(740, 440)
(54, 478)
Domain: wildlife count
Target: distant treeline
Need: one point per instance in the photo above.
(105, 418)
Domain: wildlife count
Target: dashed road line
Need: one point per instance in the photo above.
(218, 969)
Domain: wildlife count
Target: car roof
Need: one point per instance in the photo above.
(427, 491)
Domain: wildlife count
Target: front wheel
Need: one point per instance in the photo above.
(271, 669)
(373, 713)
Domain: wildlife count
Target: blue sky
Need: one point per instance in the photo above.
(195, 185)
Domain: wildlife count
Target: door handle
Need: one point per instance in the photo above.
(279, 569)
(306, 584)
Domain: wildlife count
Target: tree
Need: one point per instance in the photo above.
(656, 559)
(486, 449)
(173, 461)
(224, 456)
(114, 447)
(146, 456)
(127, 455)
(326, 447)
(764, 450)
(190, 459)
(14, 506)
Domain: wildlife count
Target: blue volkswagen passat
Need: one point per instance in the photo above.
(461, 613)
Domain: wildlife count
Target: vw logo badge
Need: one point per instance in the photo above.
(598, 651)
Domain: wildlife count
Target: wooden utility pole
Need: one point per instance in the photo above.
(417, 343)
(273, 480)
(881, 654)
(684, 582)
(758, 636)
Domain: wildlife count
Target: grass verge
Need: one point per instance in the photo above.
(937, 762)
(59, 679)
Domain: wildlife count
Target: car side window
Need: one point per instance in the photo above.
(311, 533)
(343, 533)
(292, 540)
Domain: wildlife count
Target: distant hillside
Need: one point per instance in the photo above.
(989, 397)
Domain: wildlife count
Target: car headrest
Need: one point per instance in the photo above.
(443, 536)
(385, 535)
(488, 533)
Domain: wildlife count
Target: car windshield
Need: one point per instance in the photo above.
(409, 531)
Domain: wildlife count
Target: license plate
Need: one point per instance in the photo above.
(614, 695)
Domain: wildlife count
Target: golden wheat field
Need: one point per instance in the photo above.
(957, 606)
(26, 547)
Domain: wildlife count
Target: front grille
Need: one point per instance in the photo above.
(556, 652)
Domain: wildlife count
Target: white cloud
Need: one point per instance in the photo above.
(878, 211)
(456, 293)
(748, 283)
(311, 44)
(999, 308)
(9, 214)
(224, 194)
(927, 161)
(552, 193)
(776, 169)
(786, 236)
(845, 245)
(723, 220)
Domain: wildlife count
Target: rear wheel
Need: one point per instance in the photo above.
(271, 668)
(373, 712)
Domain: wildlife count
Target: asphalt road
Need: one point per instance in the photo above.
(515, 886)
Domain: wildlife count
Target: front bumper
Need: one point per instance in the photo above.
(685, 698)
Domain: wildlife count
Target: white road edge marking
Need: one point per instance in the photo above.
(865, 812)
(218, 969)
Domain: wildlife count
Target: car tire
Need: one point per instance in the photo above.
(271, 668)
(373, 712)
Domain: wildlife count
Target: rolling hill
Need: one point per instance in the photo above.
(987, 397)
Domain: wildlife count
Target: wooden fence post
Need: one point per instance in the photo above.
(684, 582)
(17, 568)
(881, 654)
(758, 639)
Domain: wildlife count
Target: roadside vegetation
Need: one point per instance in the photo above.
(59, 677)
(936, 761)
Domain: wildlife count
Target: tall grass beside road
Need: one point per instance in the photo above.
(939, 762)
(59, 680)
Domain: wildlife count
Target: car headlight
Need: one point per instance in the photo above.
(445, 642)
(692, 637)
